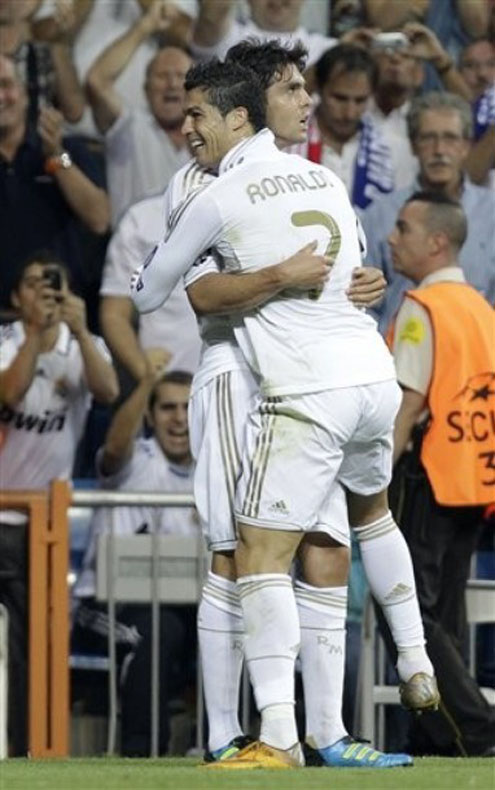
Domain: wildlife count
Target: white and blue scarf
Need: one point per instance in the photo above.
(484, 112)
(373, 171)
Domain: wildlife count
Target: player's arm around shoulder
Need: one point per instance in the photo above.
(222, 292)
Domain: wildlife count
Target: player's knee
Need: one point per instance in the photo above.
(326, 566)
(366, 509)
(264, 551)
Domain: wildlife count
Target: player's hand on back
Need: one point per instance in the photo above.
(367, 287)
(306, 269)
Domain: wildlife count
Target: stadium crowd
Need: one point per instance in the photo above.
(401, 107)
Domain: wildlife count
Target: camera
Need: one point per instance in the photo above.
(52, 277)
(390, 42)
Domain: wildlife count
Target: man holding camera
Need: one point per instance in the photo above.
(402, 59)
(50, 366)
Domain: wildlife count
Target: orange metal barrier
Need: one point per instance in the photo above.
(48, 616)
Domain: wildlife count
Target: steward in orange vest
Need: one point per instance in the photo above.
(458, 448)
(444, 353)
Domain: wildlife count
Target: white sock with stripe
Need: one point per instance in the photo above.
(271, 646)
(221, 635)
(322, 614)
(389, 571)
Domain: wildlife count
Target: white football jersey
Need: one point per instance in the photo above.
(39, 436)
(264, 207)
(220, 352)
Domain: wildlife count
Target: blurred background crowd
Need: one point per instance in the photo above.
(91, 95)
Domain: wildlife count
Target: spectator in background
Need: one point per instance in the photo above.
(161, 463)
(400, 77)
(440, 131)
(444, 351)
(340, 134)
(144, 148)
(97, 25)
(50, 366)
(49, 189)
(477, 65)
(345, 15)
(45, 65)
(172, 328)
(216, 29)
(390, 15)
(451, 20)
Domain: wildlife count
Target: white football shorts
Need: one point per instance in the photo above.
(218, 413)
(297, 446)
(217, 422)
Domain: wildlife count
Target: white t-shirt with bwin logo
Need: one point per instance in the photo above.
(39, 436)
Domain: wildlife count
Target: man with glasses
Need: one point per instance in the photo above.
(440, 129)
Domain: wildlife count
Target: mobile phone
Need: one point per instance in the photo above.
(391, 42)
(53, 277)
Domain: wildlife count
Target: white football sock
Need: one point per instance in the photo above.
(322, 614)
(221, 635)
(389, 571)
(271, 646)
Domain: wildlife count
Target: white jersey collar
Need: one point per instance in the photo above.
(250, 148)
(63, 339)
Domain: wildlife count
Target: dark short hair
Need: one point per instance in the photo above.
(182, 377)
(44, 257)
(268, 59)
(348, 59)
(444, 215)
(227, 86)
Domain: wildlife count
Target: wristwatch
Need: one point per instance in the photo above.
(61, 161)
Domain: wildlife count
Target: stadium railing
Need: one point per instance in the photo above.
(48, 682)
(48, 537)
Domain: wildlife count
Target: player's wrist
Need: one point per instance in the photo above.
(277, 275)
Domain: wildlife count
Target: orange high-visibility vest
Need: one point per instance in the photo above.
(458, 449)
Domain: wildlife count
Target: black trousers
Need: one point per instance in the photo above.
(441, 541)
(14, 596)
